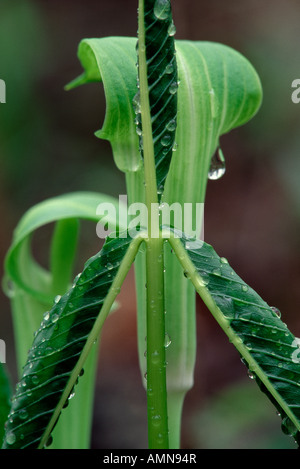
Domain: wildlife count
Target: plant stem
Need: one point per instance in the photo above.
(156, 364)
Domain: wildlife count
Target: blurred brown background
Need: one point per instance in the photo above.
(252, 214)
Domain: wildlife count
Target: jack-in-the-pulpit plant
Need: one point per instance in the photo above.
(167, 104)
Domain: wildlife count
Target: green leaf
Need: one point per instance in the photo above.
(270, 351)
(63, 342)
(112, 60)
(20, 266)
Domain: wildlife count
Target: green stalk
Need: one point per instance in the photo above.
(156, 364)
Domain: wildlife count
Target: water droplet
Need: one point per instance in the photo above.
(217, 272)
(109, 266)
(172, 29)
(296, 353)
(288, 427)
(175, 146)
(49, 441)
(217, 166)
(23, 414)
(55, 317)
(224, 260)
(204, 281)
(156, 419)
(11, 438)
(213, 103)
(155, 357)
(9, 288)
(46, 316)
(244, 288)
(167, 340)
(171, 125)
(250, 374)
(57, 298)
(169, 68)
(35, 379)
(166, 140)
(71, 395)
(162, 9)
(276, 311)
(173, 87)
(137, 103)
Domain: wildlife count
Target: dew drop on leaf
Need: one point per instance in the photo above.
(175, 146)
(169, 69)
(217, 272)
(171, 125)
(296, 353)
(55, 317)
(49, 441)
(46, 316)
(23, 414)
(8, 288)
(217, 166)
(11, 438)
(288, 427)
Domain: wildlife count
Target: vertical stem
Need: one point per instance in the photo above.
(156, 365)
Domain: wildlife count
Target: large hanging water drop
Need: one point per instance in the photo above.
(217, 166)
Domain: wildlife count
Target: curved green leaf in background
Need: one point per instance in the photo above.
(218, 90)
(62, 344)
(269, 350)
(5, 395)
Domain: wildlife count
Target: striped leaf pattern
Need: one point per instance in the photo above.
(162, 84)
(61, 344)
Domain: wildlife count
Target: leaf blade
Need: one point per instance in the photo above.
(270, 350)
